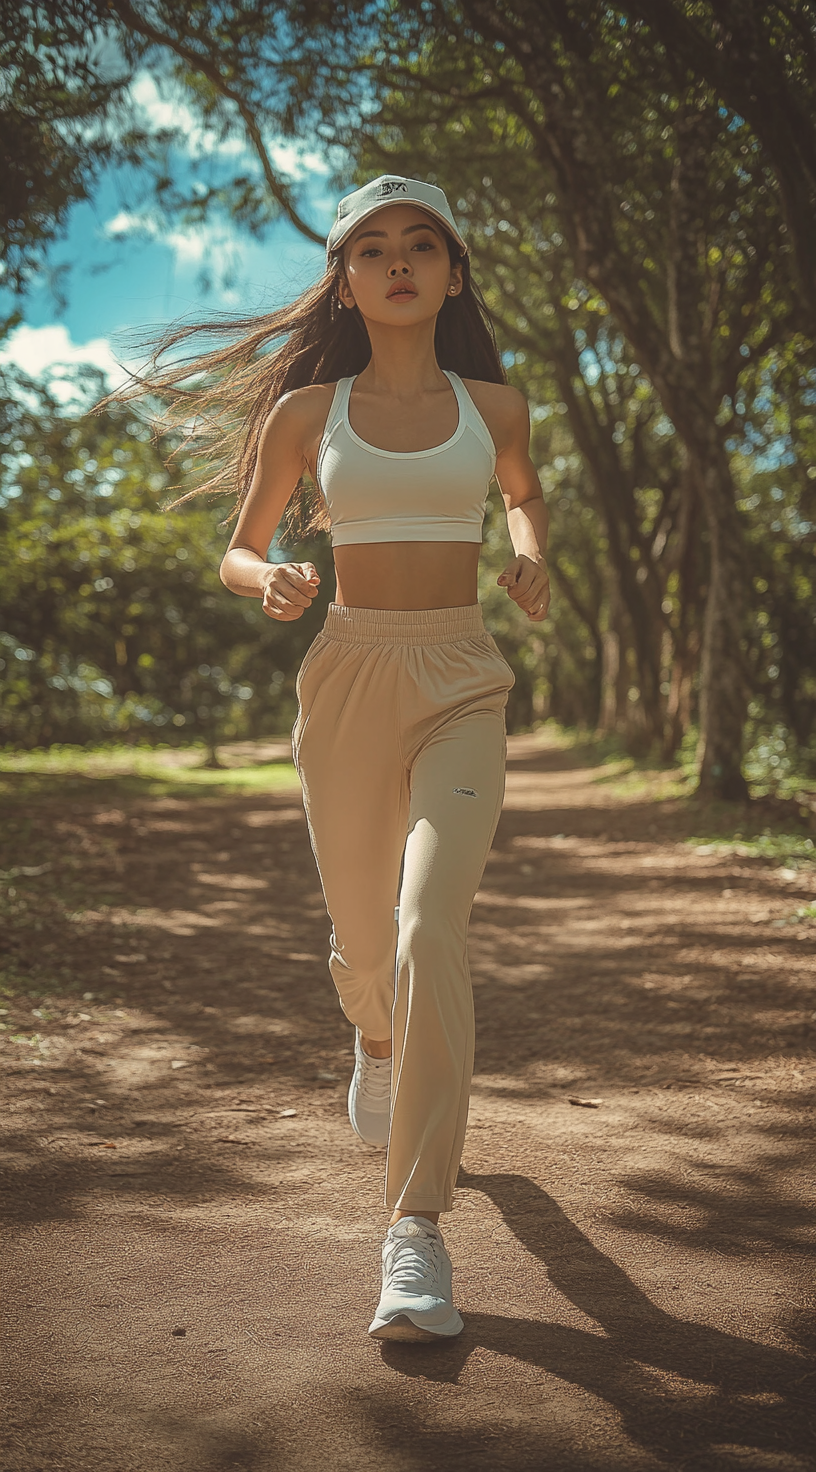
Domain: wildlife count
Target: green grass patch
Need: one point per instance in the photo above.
(629, 777)
(591, 748)
(74, 772)
(793, 850)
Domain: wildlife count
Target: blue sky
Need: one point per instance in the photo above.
(129, 274)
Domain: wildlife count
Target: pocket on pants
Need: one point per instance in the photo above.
(509, 678)
(311, 654)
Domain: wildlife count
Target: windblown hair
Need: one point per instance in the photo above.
(216, 402)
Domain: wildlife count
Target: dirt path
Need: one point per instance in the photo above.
(193, 1233)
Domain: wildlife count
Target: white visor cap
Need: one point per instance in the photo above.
(389, 189)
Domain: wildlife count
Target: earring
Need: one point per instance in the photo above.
(451, 291)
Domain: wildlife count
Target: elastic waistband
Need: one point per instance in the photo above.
(401, 626)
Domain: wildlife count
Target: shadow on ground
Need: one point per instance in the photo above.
(175, 1151)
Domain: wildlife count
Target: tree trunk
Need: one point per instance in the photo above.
(683, 660)
(674, 338)
(679, 363)
(610, 679)
(615, 674)
(616, 503)
(681, 682)
(723, 683)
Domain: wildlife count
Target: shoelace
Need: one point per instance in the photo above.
(413, 1260)
(375, 1083)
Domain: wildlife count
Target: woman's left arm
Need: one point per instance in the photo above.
(525, 577)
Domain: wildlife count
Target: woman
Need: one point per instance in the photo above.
(399, 739)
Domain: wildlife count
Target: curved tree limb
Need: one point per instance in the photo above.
(133, 21)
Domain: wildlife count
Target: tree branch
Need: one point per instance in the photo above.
(280, 192)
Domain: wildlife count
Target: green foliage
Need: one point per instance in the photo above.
(61, 121)
(68, 110)
(113, 617)
(631, 543)
(113, 772)
(773, 444)
(629, 180)
(778, 765)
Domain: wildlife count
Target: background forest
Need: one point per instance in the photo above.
(638, 184)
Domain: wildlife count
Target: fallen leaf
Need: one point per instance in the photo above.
(584, 1103)
(288, 1113)
(178, 1063)
(105, 1144)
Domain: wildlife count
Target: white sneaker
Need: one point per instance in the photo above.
(369, 1096)
(417, 1293)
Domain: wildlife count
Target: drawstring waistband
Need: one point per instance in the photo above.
(403, 626)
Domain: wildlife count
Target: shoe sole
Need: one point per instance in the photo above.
(403, 1328)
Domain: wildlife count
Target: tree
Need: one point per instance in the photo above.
(674, 167)
(759, 59)
(67, 112)
(112, 614)
(57, 106)
(666, 203)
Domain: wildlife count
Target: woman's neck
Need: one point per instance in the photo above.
(403, 362)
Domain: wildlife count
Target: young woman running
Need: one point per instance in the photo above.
(399, 739)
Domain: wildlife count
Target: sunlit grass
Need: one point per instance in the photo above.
(795, 850)
(146, 771)
(627, 778)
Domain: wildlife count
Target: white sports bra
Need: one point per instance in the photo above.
(435, 495)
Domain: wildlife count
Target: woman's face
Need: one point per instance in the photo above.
(397, 267)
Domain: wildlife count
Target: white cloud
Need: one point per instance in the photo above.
(191, 246)
(215, 244)
(292, 159)
(158, 110)
(126, 223)
(49, 354)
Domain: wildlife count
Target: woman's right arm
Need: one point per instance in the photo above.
(286, 588)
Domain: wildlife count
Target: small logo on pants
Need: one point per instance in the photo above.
(465, 792)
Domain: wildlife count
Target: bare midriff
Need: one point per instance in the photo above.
(407, 575)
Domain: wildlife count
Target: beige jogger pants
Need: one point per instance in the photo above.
(400, 745)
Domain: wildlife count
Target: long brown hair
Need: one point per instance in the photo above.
(217, 402)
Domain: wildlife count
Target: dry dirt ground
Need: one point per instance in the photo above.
(192, 1231)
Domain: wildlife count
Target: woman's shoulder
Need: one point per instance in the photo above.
(502, 407)
(302, 410)
(307, 400)
(502, 396)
